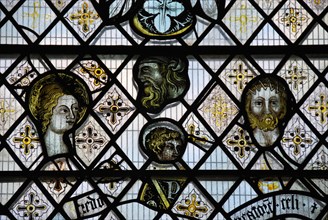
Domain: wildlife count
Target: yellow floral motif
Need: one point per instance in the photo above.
(84, 17)
(31, 206)
(114, 108)
(244, 18)
(297, 140)
(192, 207)
(35, 15)
(4, 110)
(320, 108)
(96, 71)
(219, 109)
(240, 76)
(294, 19)
(240, 143)
(295, 77)
(26, 139)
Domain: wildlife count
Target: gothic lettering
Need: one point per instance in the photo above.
(270, 210)
(89, 205)
(100, 202)
(255, 211)
(285, 204)
(173, 188)
(313, 207)
(250, 215)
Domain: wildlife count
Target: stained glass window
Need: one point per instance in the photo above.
(163, 109)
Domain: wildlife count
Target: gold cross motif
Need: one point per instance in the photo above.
(84, 17)
(32, 207)
(293, 18)
(320, 108)
(295, 77)
(297, 140)
(35, 15)
(241, 76)
(192, 207)
(96, 71)
(26, 139)
(114, 109)
(240, 143)
(244, 19)
(4, 110)
(219, 109)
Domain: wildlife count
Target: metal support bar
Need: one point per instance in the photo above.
(199, 174)
(164, 50)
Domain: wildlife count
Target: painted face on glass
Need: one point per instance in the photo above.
(267, 100)
(171, 150)
(64, 114)
(161, 80)
(164, 144)
(149, 74)
(265, 108)
(152, 81)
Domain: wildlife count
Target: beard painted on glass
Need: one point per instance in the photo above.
(160, 81)
(267, 105)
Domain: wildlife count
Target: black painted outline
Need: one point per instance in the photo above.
(283, 122)
(157, 123)
(166, 101)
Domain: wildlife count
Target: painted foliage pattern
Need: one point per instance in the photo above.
(105, 115)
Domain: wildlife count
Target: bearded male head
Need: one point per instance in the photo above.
(267, 100)
(161, 80)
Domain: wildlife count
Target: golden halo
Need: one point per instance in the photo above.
(69, 83)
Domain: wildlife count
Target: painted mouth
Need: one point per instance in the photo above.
(145, 79)
(70, 122)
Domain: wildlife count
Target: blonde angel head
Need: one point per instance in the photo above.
(44, 95)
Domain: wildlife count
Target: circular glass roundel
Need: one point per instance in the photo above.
(163, 18)
(163, 141)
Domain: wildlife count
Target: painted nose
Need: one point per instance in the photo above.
(266, 108)
(175, 151)
(70, 115)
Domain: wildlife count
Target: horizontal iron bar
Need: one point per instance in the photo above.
(200, 174)
(165, 50)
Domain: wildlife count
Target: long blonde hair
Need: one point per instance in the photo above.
(45, 93)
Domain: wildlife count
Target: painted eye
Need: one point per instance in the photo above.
(258, 103)
(274, 102)
(170, 146)
(145, 69)
(63, 110)
(75, 108)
